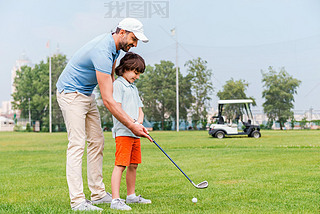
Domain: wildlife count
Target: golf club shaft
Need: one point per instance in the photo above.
(171, 160)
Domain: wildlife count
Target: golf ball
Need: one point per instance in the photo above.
(194, 200)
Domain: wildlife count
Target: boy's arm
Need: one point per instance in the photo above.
(141, 116)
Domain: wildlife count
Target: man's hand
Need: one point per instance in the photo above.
(140, 131)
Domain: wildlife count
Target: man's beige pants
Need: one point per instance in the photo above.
(82, 121)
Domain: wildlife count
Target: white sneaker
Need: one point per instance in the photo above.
(138, 199)
(119, 204)
(105, 199)
(86, 206)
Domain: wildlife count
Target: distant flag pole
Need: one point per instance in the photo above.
(50, 89)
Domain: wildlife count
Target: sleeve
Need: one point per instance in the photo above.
(140, 104)
(102, 61)
(117, 92)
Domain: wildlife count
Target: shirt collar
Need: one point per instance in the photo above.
(125, 82)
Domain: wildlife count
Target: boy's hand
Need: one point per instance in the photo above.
(140, 131)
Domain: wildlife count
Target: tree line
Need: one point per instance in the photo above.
(157, 89)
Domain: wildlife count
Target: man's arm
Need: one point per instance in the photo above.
(119, 106)
(141, 116)
(106, 89)
(112, 73)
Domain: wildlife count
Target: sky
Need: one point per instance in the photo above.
(237, 38)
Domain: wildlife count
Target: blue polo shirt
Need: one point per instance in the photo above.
(80, 73)
(127, 94)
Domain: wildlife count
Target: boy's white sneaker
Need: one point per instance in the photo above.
(118, 204)
(138, 199)
(86, 206)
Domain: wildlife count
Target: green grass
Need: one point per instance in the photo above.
(278, 173)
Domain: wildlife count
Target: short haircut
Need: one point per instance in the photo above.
(130, 61)
(118, 30)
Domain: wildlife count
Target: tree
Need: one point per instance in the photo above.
(292, 121)
(279, 90)
(158, 93)
(185, 96)
(32, 85)
(31, 91)
(201, 87)
(58, 63)
(303, 122)
(234, 90)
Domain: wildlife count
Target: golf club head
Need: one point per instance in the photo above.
(202, 185)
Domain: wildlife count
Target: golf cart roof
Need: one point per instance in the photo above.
(234, 101)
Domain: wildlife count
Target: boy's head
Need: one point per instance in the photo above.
(130, 62)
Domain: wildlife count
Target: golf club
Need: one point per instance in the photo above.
(202, 185)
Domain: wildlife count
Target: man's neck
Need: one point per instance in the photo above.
(116, 39)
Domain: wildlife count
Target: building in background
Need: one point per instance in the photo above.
(6, 124)
(7, 113)
(22, 61)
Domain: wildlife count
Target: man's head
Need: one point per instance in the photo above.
(130, 31)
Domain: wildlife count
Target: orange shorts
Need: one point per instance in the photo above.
(128, 150)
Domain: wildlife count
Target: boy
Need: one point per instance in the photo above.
(128, 150)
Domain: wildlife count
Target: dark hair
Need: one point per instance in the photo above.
(130, 61)
(118, 30)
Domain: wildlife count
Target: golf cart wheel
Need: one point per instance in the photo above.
(220, 134)
(256, 134)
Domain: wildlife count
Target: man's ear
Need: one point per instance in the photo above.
(122, 32)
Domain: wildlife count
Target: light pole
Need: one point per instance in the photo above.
(50, 102)
(29, 112)
(173, 32)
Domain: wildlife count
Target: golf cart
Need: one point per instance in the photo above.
(222, 128)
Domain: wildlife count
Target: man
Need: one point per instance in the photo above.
(93, 64)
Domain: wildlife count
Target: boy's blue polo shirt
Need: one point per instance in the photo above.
(127, 94)
(80, 73)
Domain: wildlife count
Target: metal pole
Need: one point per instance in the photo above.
(50, 103)
(177, 86)
(29, 113)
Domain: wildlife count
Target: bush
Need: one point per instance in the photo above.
(17, 128)
(167, 125)
(28, 128)
(44, 129)
(156, 126)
